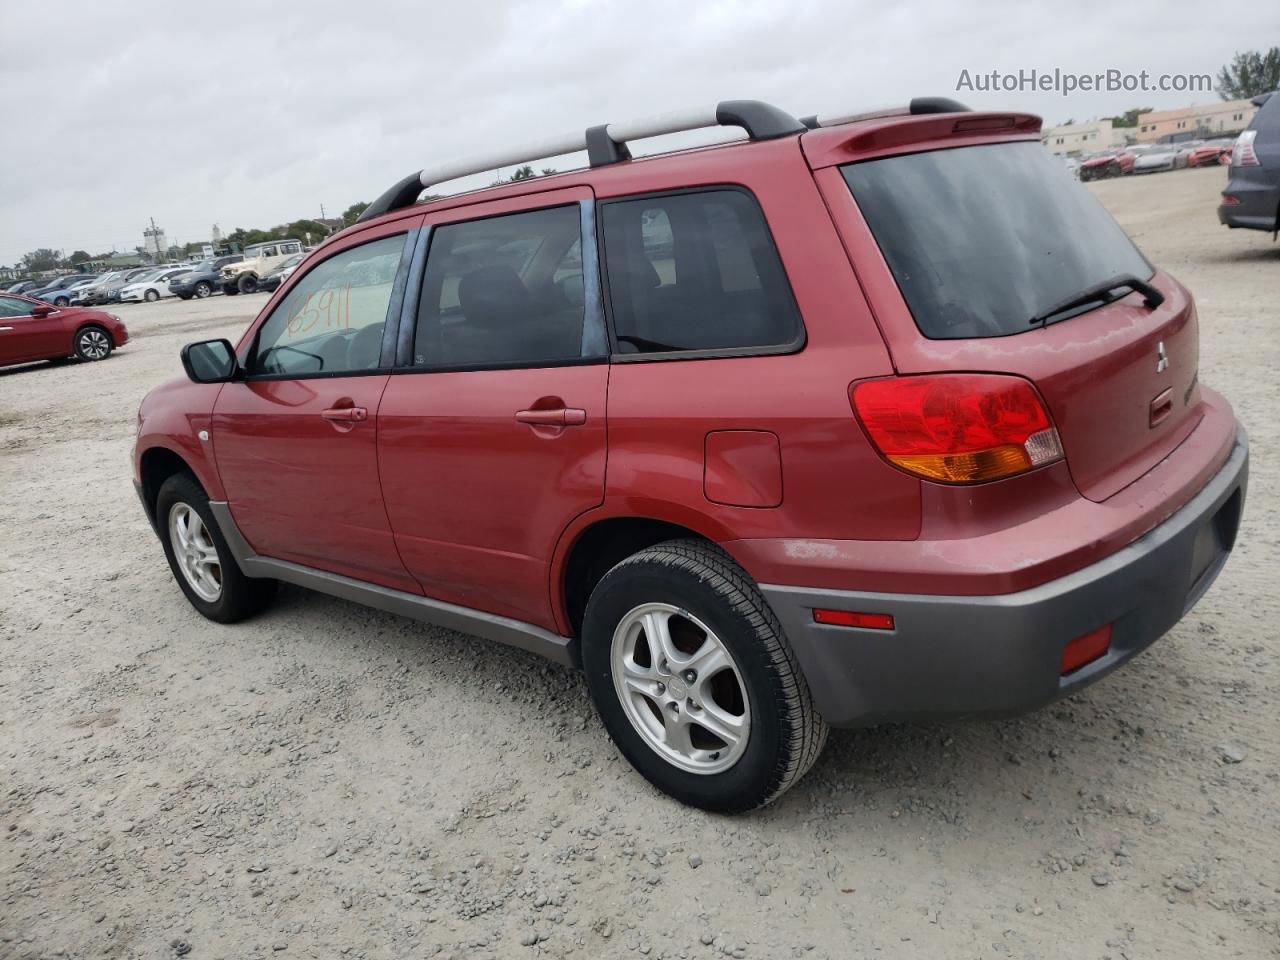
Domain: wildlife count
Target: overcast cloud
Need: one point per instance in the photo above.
(253, 115)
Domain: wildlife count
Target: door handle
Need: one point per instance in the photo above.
(557, 417)
(346, 414)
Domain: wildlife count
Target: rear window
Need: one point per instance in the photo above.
(982, 239)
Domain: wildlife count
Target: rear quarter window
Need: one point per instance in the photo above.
(696, 271)
(982, 239)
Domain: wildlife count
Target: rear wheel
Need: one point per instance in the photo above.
(93, 343)
(247, 283)
(151, 296)
(694, 680)
(199, 557)
(203, 289)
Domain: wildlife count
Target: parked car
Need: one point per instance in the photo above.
(22, 286)
(1252, 196)
(1106, 163)
(594, 447)
(107, 286)
(1073, 166)
(63, 296)
(54, 284)
(259, 260)
(151, 286)
(203, 278)
(1155, 158)
(281, 272)
(31, 329)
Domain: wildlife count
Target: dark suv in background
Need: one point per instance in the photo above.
(1252, 196)
(203, 280)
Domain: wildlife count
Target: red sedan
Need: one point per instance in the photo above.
(1209, 154)
(1108, 163)
(34, 330)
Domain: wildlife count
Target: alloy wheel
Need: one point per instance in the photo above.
(195, 553)
(680, 688)
(94, 344)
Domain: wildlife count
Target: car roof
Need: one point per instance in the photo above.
(941, 123)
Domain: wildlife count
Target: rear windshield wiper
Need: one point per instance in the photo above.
(1098, 293)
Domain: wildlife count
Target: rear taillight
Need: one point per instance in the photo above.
(957, 427)
(1243, 154)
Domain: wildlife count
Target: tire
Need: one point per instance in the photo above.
(185, 296)
(230, 289)
(204, 289)
(151, 296)
(182, 503)
(93, 343)
(707, 598)
(247, 283)
(61, 302)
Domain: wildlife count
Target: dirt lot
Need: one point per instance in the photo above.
(329, 781)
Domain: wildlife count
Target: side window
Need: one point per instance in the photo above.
(13, 307)
(332, 319)
(503, 291)
(695, 271)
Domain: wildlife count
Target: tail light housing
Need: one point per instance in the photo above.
(957, 428)
(1243, 154)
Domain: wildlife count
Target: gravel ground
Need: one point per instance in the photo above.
(330, 781)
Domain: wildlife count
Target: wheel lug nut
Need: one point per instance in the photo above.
(662, 688)
(690, 676)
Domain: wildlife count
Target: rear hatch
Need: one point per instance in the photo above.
(981, 241)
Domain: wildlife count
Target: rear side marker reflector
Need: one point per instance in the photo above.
(957, 427)
(846, 618)
(1084, 650)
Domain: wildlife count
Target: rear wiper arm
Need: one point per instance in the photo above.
(1151, 297)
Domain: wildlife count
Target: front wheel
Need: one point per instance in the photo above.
(199, 557)
(93, 343)
(151, 296)
(203, 289)
(247, 284)
(230, 289)
(694, 680)
(61, 301)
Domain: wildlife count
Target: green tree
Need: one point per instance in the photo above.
(42, 259)
(79, 256)
(524, 173)
(1249, 74)
(352, 213)
(299, 229)
(1129, 118)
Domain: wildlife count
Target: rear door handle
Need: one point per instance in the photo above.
(557, 417)
(346, 414)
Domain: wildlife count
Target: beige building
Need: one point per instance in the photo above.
(1082, 137)
(1186, 123)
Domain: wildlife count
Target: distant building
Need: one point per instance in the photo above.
(1082, 137)
(8, 273)
(216, 235)
(1195, 122)
(155, 243)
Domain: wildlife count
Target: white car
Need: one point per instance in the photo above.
(152, 286)
(1163, 156)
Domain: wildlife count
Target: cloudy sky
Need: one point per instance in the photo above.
(255, 114)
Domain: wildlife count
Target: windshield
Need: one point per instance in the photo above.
(982, 239)
(288, 264)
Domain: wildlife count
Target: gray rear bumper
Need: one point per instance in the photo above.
(1001, 655)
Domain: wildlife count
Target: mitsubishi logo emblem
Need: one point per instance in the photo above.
(1162, 358)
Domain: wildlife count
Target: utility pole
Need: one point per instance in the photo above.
(322, 213)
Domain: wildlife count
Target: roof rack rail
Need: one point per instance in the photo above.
(605, 144)
(917, 106)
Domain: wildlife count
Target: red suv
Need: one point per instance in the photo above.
(865, 419)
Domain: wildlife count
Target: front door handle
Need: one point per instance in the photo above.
(556, 417)
(346, 414)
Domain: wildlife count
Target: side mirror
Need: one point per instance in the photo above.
(210, 361)
(41, 310)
